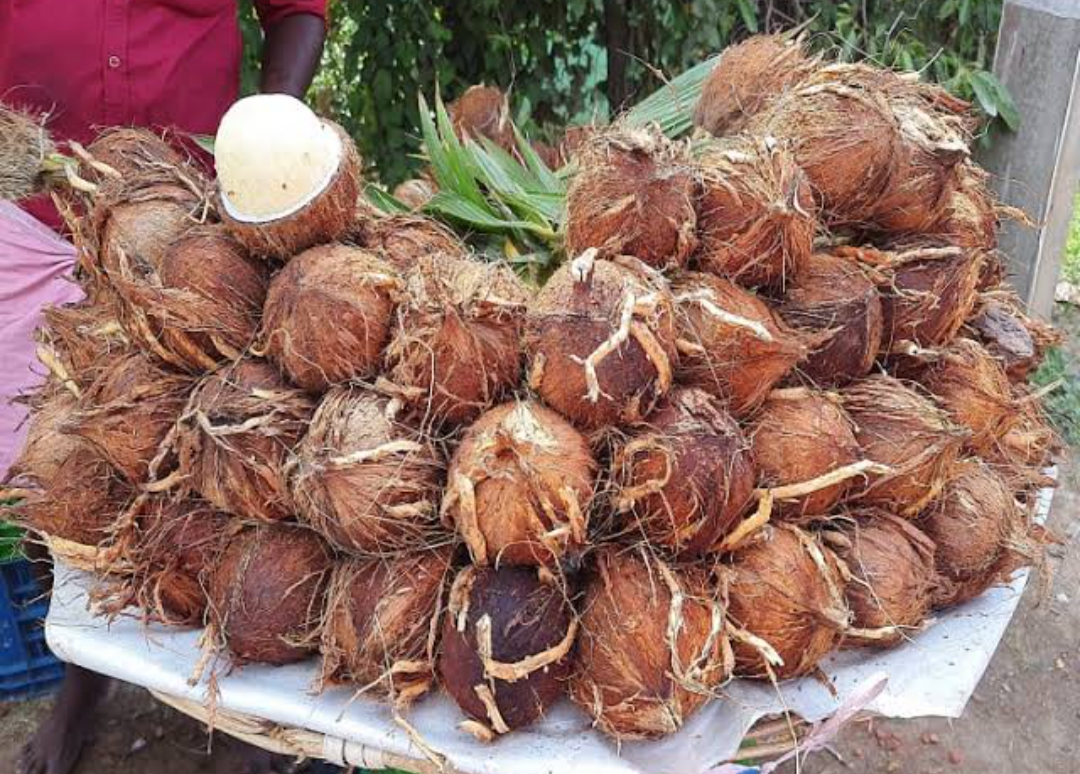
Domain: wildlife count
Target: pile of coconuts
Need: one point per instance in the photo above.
(773, 402)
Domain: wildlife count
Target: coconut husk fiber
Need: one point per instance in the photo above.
(686, 476)
(236, 435)
(483, 111)
(267, 594)
(1021, 455)
(747, 78)
(520, 487)
(600, 337)
(24, 145)
(506, 640)
(124, 153)
(972, 215)
(328, 316)
(899, 427)
(365, 480)
(1008, 330)
(127, 412)
(456, 348)
(415, 193)
(731, 344)
(653, 646)
(382, 623)
(633, 194)
(46, 445)
(786, 603)
(402, 240)
(838, 306)
(798, 436)
(80, 340)
(202, 303)
(756, 212)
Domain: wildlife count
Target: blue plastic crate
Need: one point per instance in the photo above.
(27, 667)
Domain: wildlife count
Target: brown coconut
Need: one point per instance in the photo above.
(756, 212)
(483, 111)
(1021, 455)
(600, 338)
(328, 217)
(633, 194)
(402, 240)
(747, 78)
(899, 427)
(506, 639)
(798, 437)
(328, 316)
(519, 487)
(24, 146)
(731, 344)
(686, 476)
(456, 348)
(78, 340)
(46, 446)
(892, 579)
(128, 411)
(129, 152)
(786, 602)
(415, 193)
(839, 307)
(364, 480)
(1006, 338)
(382, 623)
(653, 647)
(971, 218)
(267, 594)
(236, 435)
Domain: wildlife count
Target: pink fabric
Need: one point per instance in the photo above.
(35, 269)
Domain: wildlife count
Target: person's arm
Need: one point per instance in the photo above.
(295, 31)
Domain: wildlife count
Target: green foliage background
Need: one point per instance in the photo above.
(554, 54)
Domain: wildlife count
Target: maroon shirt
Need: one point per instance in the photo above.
(91, 64)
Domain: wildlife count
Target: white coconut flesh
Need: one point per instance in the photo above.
(273, 157)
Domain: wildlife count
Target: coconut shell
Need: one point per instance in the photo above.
(731, 343)
(47, 446)
(506, 637)
(365, 481)
(328, 217)
(456, 349)
(839, 307)
(686, 476)
(127, 412)
(892, 577)
(756, 220)
(633, 194)
(1006, 338)
(483, 111)
(382, 623)
(236, 435)
(898, 426)
(786, 591)
(653, 646)
(747, 78)
(600, 338)
(415, 193)
(267, 594)
(328, 316)
(402, 240)
(519, 487)
(798, 436)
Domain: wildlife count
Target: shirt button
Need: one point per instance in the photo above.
(114, 62)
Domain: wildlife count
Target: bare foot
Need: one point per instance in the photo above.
(58, 741)
(255, 760)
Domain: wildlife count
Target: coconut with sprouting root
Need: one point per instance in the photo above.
(456, 347)
(786, 604)
(366, 481)
(127, 412)
(177, 545)
(25, 147)
(901, 429)
(287, 180)
(415, 193)
(506, 641)
(402, 240)
(328, 316)
(891, 576)
(756, 211)
(483, 112)
(805, 450)
(235, 436)
(46, 446)
(731, 344)
(78, 340)
(382, 623)
(685, 477)
(653, 646)
(747, 78)
(267, 594)
(633, 194)
(519, 487)
(839, 308)
(980, 532)
(600, 337)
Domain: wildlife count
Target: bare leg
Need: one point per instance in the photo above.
(56, 745)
